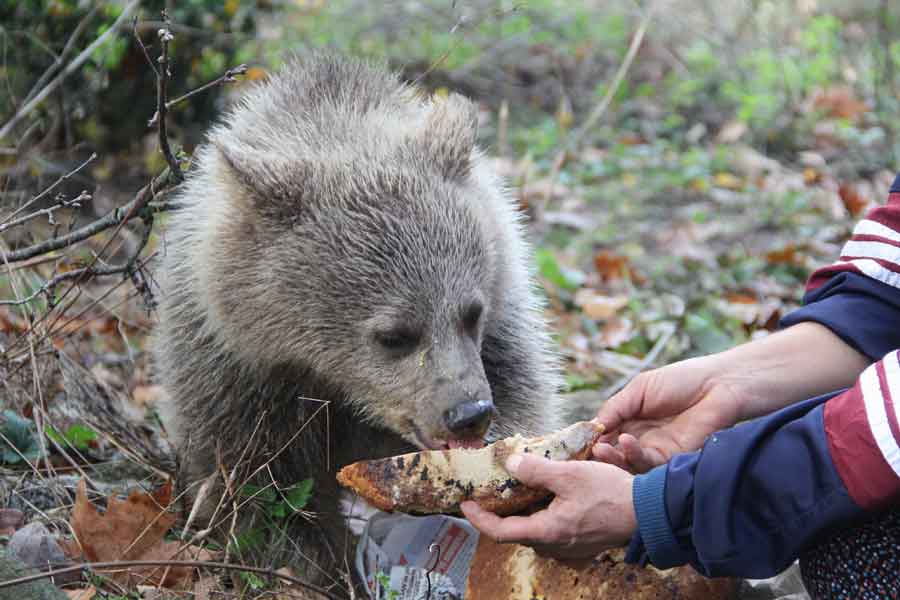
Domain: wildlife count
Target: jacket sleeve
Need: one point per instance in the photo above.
(757, 494)
(858, 297)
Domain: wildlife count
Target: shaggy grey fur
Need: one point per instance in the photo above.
(334, 207)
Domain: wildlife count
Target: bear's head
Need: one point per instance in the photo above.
(365, 262)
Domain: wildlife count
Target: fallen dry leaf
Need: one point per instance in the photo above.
(854, 202)
(204, 587)
(82, 594)
(10, 520)
(740, 298)
(728, 181)
(147, 395)
(784, 256)
(840, 102)
(599, 306)
(612, 266)
(133, 529)
(811, 176)
(616, 332)
(128, 528)
(731, 132)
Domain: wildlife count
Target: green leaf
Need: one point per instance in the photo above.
(705, 335)
(249, 540)
(266, 495)
(385, 582)
(253, 580)
(298, 495)
(552, 271)
(78, 436)
(19, 439)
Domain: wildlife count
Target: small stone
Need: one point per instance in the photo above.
(42, 589)
(35, 546)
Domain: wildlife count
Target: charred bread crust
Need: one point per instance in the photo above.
(437, 481)
(514, 572)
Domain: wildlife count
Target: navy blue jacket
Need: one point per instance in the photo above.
(758, 494)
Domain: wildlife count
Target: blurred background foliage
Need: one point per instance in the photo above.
(743, 144)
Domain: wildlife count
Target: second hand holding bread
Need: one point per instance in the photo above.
(438, 481)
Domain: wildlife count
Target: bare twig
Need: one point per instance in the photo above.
(70, 68)
(125, 564)
(140, 43)
(67, 49)
(84, 196)
(646, 363)
(162, 82)
(49, 189)
(574, 139)
(84, 274)
(227, 77)
(116, 217)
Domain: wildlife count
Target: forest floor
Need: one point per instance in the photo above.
(670, 231)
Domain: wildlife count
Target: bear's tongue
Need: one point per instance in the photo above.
(470, 443)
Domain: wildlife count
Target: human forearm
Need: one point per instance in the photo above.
(800, 362)
(758, 494)
(730, 512)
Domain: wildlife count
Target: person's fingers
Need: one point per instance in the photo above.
(624, 406)
(533, 529)
(639, 458)
(539, 472)
(610, 454)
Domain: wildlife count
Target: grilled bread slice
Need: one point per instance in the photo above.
(437, 481)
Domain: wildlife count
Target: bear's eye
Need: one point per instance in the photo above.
(472, 315)
(400, 340)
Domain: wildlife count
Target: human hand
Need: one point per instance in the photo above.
(592, 510)
(667, 411)
(673, 409)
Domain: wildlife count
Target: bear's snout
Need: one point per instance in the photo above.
(469, 419)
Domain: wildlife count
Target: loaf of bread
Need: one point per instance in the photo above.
(437, 481)
(514, 572)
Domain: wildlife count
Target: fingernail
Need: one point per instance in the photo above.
(513, 462)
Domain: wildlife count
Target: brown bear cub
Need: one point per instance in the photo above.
(344, 240)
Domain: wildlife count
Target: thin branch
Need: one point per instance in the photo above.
(118, 216)
(48, 212)
(140, 43)
(645, 364)
(70, 68)
(124, 564)
(52, 187)
(575, 138)
(85, 274)
(70, 44)
(603, 105)
(162, 83)
(228, 77)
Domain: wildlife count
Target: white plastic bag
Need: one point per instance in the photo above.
(414, 554)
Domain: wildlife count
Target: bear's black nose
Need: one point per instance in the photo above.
(470, 418)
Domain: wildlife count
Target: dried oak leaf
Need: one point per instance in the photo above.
(611, 266)
(854, 202)
(784, 256)
(10, 520)
(82, 594)
(840, 102)
(133, 529)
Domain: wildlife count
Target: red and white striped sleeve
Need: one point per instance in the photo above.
(874, 248)
(862, 427)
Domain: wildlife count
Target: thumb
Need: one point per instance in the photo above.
(622, 407)
(538, 472)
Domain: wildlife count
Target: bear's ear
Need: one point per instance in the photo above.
(276, 183)
(447, 138)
